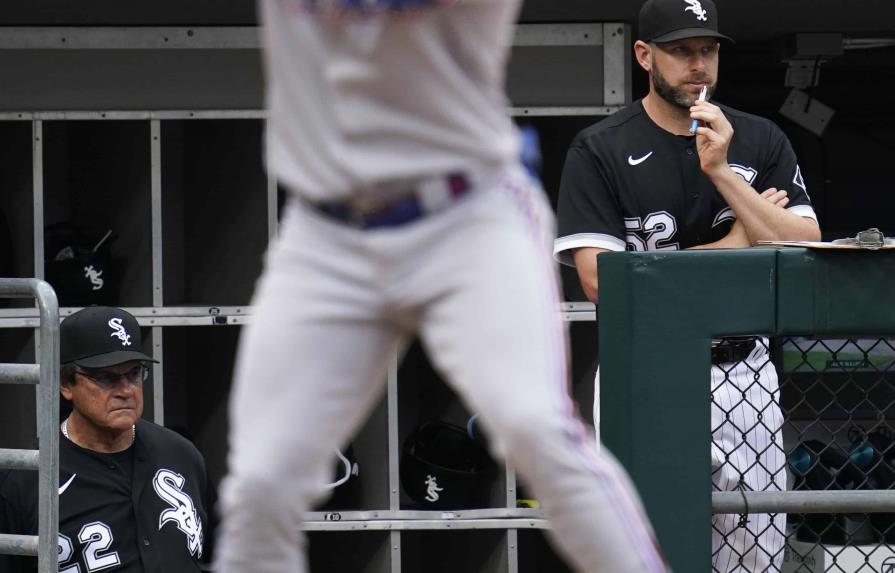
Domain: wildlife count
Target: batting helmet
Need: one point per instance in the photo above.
(875, 455)
(441, 467)
(818, 465)
(80, 266)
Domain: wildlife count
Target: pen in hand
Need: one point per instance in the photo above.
(702, 95)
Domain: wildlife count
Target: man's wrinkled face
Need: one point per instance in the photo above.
(111, 397)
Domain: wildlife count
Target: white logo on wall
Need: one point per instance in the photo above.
(432, 488)
(119, 331)
(695, 7)
(169, 486)
(94, 276)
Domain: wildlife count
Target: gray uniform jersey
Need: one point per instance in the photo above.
(358, 100)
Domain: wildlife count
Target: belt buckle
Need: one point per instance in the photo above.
(427, 197)
(356, 217)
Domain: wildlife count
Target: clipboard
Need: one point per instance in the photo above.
(869, 240)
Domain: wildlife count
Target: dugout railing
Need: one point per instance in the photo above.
(659, 313)
(45, 460)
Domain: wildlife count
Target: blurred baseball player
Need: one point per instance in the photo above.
(641, 180)
(409, 214)
(132, 495)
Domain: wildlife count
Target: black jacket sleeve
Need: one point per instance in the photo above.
(781, 169)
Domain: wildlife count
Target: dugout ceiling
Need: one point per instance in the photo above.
(857, 85)
(745, 20)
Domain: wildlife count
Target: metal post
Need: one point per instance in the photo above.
(46, 542)
(158, 298)
(48, 433)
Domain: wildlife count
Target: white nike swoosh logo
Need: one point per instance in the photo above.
(64, 486)
(632, 161)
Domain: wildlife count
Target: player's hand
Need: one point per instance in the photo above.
(777, 197)
(712, 137)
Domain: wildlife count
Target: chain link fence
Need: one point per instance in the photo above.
(803, 414)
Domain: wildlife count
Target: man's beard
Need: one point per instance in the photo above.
(675, 96)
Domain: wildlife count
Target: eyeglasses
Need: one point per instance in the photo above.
(108, 380)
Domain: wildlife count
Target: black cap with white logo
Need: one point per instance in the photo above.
(669, 20)
(100, 336)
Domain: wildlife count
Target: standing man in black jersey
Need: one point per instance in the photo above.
(131, 493)
(641, 180)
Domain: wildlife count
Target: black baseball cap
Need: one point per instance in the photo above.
(100, 336)
(669, 20)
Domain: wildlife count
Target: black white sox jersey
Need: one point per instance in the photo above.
(142, 510)
(629, 184)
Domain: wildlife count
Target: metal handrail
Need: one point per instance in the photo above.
(20, 459)
(45, 543)
(838, 501)
(20, 373)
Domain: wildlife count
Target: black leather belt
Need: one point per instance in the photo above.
(396, 211)
(732, 349)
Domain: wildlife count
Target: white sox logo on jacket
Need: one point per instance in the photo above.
(656, 231)
(169, 486)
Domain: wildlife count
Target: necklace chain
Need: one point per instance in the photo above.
(65, 431)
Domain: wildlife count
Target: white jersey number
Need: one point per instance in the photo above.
(66, 550)
(96, 537)
(651, 233)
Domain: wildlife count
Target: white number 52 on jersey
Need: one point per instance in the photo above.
(651, 233)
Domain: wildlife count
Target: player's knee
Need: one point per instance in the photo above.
(527, 426)
(257, 492)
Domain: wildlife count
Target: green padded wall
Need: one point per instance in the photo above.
(658, 312)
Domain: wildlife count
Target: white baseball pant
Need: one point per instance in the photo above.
(760, 541)
(477, 282)
(747, 444)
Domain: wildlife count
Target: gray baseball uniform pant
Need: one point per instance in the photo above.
(477, 282)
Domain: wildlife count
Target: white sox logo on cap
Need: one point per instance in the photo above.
(670, 20)
(119, 332)
(695, 7)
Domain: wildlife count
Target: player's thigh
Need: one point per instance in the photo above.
(312, 361)
(495, 331)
